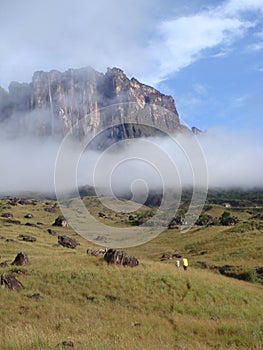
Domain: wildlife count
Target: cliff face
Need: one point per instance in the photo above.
(63, 99)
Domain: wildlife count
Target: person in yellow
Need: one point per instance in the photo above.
(185, 263)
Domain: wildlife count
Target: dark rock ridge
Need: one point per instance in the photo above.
(54, 103)
(8, 280)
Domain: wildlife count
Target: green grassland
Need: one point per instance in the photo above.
(153, 306)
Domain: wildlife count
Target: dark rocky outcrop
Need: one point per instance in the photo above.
(68, 242)
(97, 252)
(61, 221)
(14, 222)
(7, 215)
(27, 238)
(30, 224)
(130, 261)
(113, 256)
(21, 259)
(52, 232)
(57, 101)
(66, 345)
(13, 203)
(259, 270)
(177, 255)
(166, 256)
(26, 202)
(8, 280)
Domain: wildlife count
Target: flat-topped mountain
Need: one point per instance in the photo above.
(56, 101)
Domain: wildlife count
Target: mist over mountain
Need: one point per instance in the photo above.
(54, 103)
(36, 117)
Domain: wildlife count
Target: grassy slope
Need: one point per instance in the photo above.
(154, 306)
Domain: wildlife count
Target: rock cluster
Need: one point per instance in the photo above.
(113, 256)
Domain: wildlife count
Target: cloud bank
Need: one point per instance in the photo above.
(150, 42)
(232, 160)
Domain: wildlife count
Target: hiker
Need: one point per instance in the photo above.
(185, 263)
(177, 263)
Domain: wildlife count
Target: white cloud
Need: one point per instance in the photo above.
(37, 35)
(232, 159)
(149, 42)
(232, 7)
(209, 33)
(257, 46)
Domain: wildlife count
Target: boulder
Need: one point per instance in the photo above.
(177, 255)
(68, 242)
(8, 280)
(13, 203)
(66, 344)
(101, 251)
(28, 216)
(130, 261)
(7, 215)
(90, 251)
(25, 202)
(30, 224)
(21, 259)
(27, 238)
(52, 232)
(166, 256)
(14, 222)
(113, 256)
(117, 257)
(61, 221)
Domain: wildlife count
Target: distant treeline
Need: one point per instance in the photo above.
(236, 197)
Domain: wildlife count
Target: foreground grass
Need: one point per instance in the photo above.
(154, 306)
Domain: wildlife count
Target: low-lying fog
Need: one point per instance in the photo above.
(228, 160)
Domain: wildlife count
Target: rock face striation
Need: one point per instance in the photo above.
(57, 103)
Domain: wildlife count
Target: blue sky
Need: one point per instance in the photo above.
(207, 54)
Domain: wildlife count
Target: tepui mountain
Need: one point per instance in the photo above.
(56, 103)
